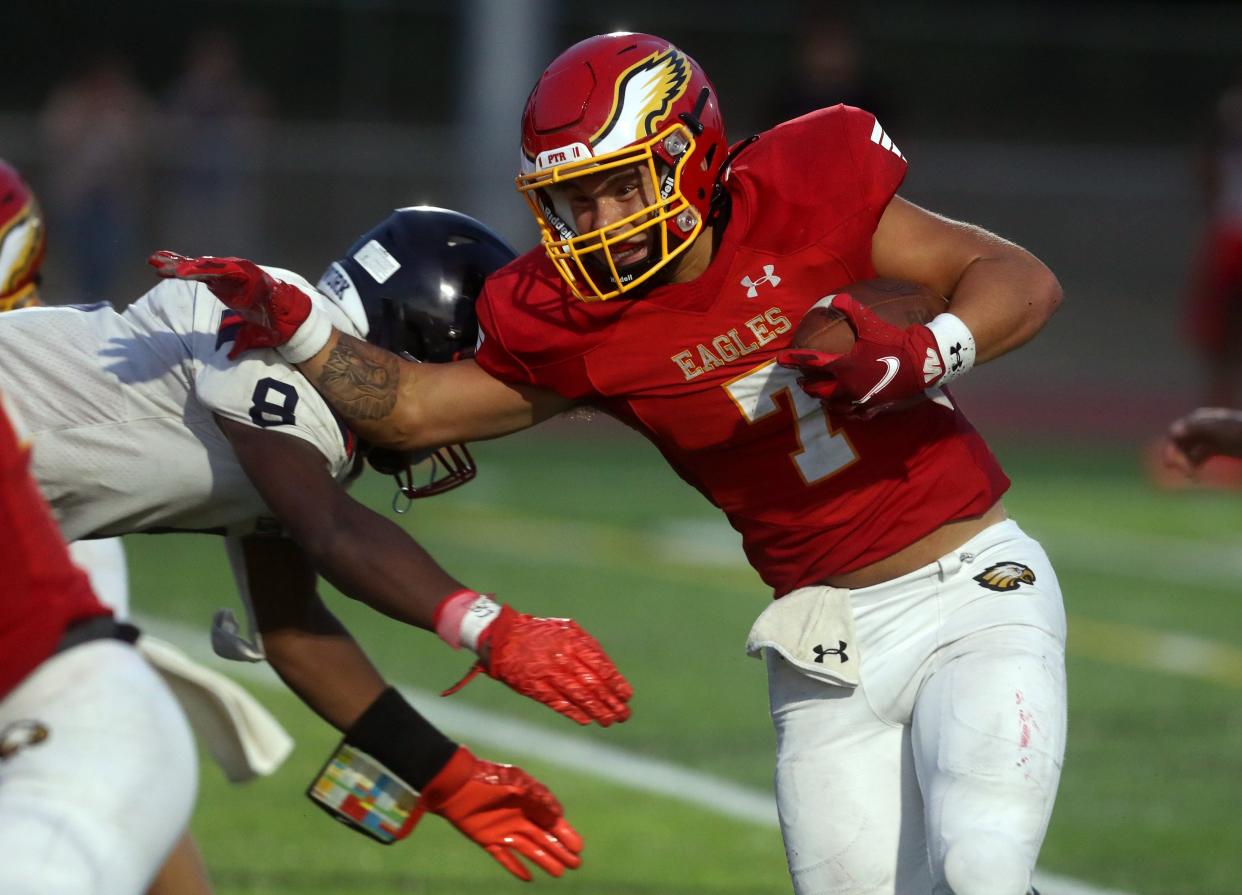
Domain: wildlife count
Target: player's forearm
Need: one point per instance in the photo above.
(362, 382)
(405, 405)
(382, 398)
(305, 643)
(405, 584)
(1004, 299)
(1001, 293)
(319, 660)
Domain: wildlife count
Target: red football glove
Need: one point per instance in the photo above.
(506, 811)
(886, 365)
(551, 660)
(271, 310)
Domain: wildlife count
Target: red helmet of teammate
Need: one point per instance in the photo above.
(610, 102)
(21, 240)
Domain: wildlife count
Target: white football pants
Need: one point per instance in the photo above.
(103, 561)
(938, 772)
(96, 806)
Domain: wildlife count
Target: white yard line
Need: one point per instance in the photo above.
(579, 754)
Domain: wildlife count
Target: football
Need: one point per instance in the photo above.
(898, 302)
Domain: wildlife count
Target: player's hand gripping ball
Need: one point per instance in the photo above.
(866, 348)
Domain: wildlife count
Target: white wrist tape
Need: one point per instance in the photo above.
(309, 338)
(956, 344)
(481, 613)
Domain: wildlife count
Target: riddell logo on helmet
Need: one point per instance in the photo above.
(550, 158)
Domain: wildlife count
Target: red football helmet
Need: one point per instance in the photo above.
(606, 103)
(21, 240)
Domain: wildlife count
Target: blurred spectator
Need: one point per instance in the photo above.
(1214, 306)
(214, 135)
(95, 128)
(827, 69)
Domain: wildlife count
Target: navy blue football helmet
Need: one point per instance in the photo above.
(417, 275)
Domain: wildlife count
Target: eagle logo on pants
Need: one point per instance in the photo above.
(1005, 576)
(20, 734)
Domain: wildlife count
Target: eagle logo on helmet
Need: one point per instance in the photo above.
(1005, 576)
(21, 243)
(644, 94)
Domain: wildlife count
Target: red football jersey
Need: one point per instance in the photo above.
(692, 366)
(43, 591)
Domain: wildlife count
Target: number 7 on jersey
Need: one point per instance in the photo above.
(821, 452)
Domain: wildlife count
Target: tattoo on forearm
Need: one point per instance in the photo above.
(360, 379)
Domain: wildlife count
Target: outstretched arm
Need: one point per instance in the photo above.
(364, 555)
(388, 401)
(399, 404)
(305, 644)
(372, 560)
(499, 807)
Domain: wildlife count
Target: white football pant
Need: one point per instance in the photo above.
(95, 808)
(938, 773)
(103, 561)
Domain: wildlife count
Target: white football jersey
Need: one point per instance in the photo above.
(119, 408)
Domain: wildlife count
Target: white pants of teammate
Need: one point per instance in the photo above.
(938, 772)
(103, 561)
(95, 808)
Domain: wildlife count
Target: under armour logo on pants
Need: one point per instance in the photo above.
(820, 652)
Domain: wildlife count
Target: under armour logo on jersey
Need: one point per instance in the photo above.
(1005, 576)
(882, 139)
(821, 652)
(931, 366)
(752, 286)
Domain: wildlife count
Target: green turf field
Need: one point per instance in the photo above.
(598, 528)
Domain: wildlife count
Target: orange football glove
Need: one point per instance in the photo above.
(551, 660)
(556, 662)
(504, 810)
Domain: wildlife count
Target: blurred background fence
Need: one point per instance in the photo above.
(279, 129)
